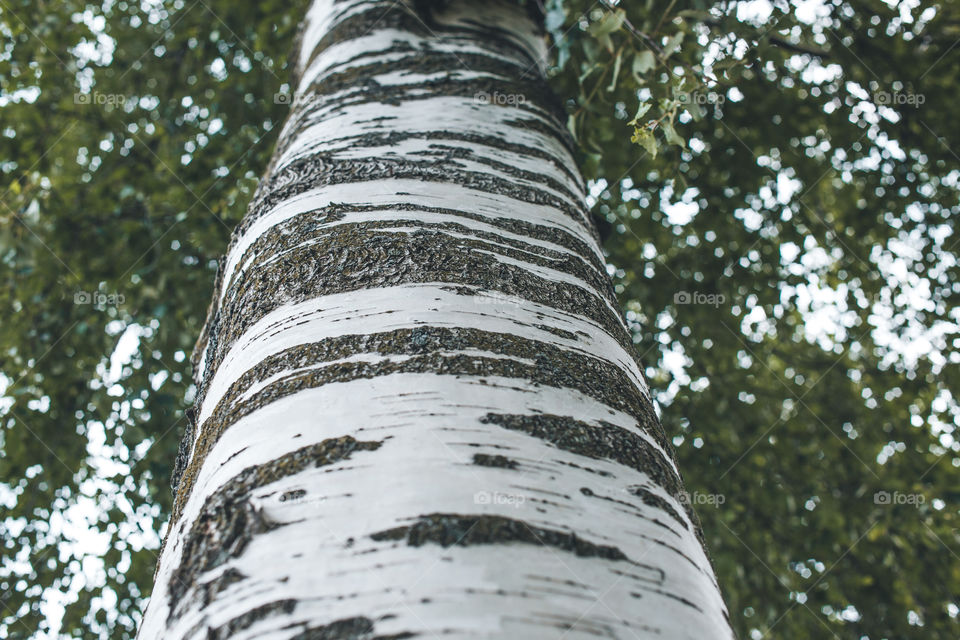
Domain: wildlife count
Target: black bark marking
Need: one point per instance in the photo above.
(449, 530)
(292, 495)
(554, 367)
(340, 258)
(357, 628)
(607, 442)
(209, 590)
(245, 621)
(486, 460)
(341, 262)
(321, 169)
(587, 491)
(601, 442)
(183, 451)
(653, 500)
(228, 521)
(313, 225)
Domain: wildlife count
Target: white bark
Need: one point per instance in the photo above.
(419, 411)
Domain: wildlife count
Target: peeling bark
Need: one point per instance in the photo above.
(419, 409)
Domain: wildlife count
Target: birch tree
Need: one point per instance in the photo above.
(419, 409)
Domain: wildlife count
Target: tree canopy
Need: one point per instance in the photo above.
(778, 187)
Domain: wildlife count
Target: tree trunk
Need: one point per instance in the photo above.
(420, 412)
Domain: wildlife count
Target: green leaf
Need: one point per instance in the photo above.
(699, 16)
(644, 137)
(589, 68)
(671, 135)
(610, 23)
(643, 62)
(672, 44)
(563, 53)
(591, 50)
(616, 72)
(695, 110)
(606, 42)
(641, 111)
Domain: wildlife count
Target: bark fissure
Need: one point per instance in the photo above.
(447, 530)
(418, 258)
(309, 173)
(358, 628)
(428, 349)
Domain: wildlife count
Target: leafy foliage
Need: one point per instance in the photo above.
(133, 135)
(782, 193)
(810, 204)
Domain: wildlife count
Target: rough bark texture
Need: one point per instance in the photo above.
(420, 412)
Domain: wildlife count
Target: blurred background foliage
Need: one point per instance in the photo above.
(779, 189)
